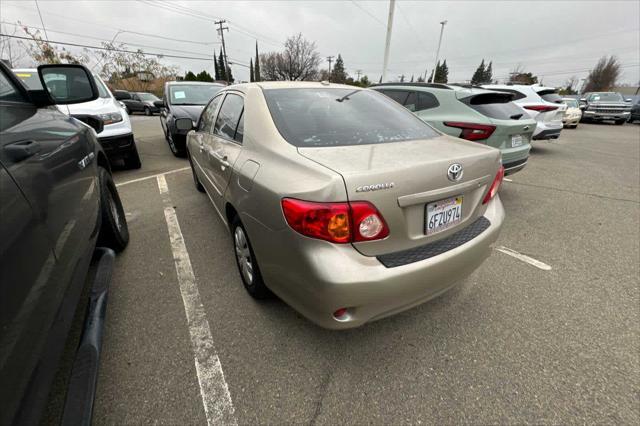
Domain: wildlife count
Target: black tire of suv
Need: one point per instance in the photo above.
(114, 231)
(256, 288)
(620, 122)
(176, 150)
(132, 159)
(196, 181)
(147, 111)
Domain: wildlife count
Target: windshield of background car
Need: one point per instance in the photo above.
(317, 117)
(148, 97)
(571, 103)
(192, 94)
(30, 79)
(606, 97)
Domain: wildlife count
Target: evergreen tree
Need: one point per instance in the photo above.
(488, 73)
(364, 81)
(256, 69)
(442, 72)
(411, 78)
(189, 76)
(420, 79)
(221, 68)
(402, 78)
(204, 76)
(479, 75)
(338, 75)
(251, 70)
(229, 75)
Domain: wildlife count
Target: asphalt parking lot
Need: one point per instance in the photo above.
(556, 341)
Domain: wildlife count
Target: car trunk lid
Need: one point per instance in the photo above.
(402, 178)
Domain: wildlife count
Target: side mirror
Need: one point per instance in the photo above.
(158, 104)
(68, 84)
(90, 120)
(184, 124)
(627, 100)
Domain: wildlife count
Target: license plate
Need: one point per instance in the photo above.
(516, 140)
(443, 214)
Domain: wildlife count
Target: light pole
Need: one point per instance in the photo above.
(387, 44)
(435, 66)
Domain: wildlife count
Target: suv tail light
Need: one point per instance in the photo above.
(495, 185)
(541, 108)
(335, 222)
(472, 131)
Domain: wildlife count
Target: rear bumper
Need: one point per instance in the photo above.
(316, 277)
(117, 146)
(548, 134)
(514, 166)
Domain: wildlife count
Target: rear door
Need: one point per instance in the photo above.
(225, 144)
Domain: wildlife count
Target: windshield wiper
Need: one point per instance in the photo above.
(346, 97)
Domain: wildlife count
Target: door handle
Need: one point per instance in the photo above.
(22, 150)
(201, 147)
(223, 160)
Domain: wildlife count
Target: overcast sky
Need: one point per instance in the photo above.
(555, 40)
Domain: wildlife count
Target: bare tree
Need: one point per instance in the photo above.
(604, 75)
(11, 50)
(298, 61)
(43, 52)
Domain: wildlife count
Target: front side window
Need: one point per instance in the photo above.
(229, 116)
(322, 117)
(7, 91)
(420, 101)
(148, 97)
(192, 94)
(206, 119)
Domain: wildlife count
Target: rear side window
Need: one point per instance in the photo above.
(229, 116)
(552, 97)
(516, 94)
(400, 96)
(420, 101)
(323, 117)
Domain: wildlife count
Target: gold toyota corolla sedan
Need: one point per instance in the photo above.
(342, 202)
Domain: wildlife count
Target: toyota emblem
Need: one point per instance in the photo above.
(454, 173)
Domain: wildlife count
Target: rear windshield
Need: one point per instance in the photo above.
(552, 97)
(605, 97)
(317, 117)
(571, 103)
(494, 105)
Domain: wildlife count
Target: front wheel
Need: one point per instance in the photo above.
(247, 263)
(114, 231)
(620, 122)
(177, 149)
(147, 111)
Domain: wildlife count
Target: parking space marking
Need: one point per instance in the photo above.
(524, 258)
(507, 180)
(127, 182)
(216, 398)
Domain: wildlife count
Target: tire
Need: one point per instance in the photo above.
(147, 111)
(620, 122)
(132, 160)
(196, 181)
(176, 150)
(247, 263)
(127, 110)
(114, 231)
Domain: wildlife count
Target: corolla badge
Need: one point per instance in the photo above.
(454, 173)
(375, 187)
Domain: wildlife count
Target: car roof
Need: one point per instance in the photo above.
(437, 87)
(199, 83)
(296, 85)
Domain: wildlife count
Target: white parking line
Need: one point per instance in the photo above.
(127, 182)
(216, 398)
(507, 180)
(524, 258)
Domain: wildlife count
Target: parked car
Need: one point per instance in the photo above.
(58, 202)
(137, 101)
(601, 106)
(548, 115)
(478, 115)
(635, 111)
(183, 99)
(342, 202)
(117, 136)
(573, 114)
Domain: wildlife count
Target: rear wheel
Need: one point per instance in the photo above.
(147, 111)
(247, 263)
(620, 122)
(114, 232)
(196, 181)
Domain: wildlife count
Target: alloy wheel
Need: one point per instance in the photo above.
(243, 254)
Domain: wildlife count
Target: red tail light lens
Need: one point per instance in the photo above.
(495, 185)
(541, 108)
(335, 222)
(472, 131)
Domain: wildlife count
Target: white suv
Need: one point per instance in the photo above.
(116, 137)
(543, 104)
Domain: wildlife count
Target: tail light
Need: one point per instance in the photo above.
(495, 185)
(541, 108)
(472, 131)
(335, 222)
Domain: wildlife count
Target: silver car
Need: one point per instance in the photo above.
(342, 202)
